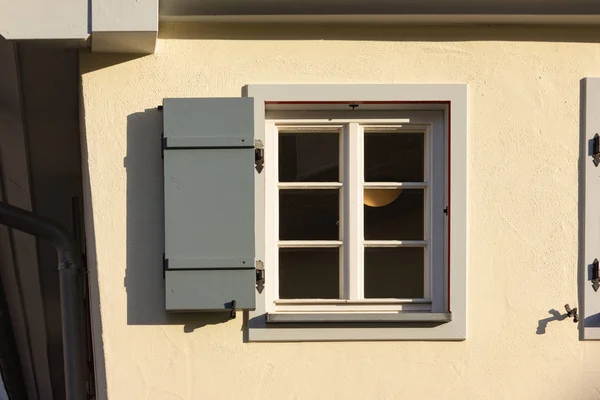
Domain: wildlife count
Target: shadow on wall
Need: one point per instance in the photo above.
(144, 281)
(90, 253)
(543, 323)
(95, 61)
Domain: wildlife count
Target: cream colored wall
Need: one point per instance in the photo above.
(524, 94)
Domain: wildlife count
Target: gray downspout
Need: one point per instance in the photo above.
(71, 297)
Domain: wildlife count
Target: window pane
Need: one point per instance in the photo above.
(394, 214)
(309, 273)
(309, 214)
(394, 157)
(394, 272)
(309, 157)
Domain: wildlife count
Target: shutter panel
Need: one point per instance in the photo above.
(209, 203)
(590, 309)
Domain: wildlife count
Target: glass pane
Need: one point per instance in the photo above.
(394, 157)
(309, 214)
(309, 157)
(309, 273)
(394, 214)
(394, 272)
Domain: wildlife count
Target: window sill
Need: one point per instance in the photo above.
(410, 317)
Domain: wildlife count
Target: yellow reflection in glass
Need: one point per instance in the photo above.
(380, 197)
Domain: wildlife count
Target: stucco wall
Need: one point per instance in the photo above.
(524, 96)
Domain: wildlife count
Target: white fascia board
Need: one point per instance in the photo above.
(44, 20)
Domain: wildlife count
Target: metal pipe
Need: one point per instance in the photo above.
(71, 298)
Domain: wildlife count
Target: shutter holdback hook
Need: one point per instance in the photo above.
(233, 304)
(572, 313)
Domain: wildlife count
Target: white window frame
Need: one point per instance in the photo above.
(351, 243)
(401, 100)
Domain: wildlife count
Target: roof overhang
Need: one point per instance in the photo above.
(572, 12)
(131, 26)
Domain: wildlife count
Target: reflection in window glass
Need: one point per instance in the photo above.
(394, 272)
(394, 157)
(399, 218)
(309, 214)
(309, 157)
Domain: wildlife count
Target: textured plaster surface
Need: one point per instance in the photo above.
(524, 88)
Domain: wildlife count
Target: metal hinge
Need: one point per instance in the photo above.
(596, 149)
(259, 156)
(572, 313)
(260, 276)
(596, 275)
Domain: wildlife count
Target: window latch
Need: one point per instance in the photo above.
(596, 149)
(260, 276)
(259, 156)
(596, 275)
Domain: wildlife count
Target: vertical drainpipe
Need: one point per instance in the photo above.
(71, 297)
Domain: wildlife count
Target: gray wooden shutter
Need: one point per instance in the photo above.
(209, 203)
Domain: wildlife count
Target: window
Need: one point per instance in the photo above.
(357, 213)
(363, 224)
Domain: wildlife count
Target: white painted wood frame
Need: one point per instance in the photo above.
(351, 167)
(451, 100)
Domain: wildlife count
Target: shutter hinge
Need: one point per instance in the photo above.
(596, 275)
(233, 306)
(596, 149)
(259, 156)
(165, 265)
(260, 276)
